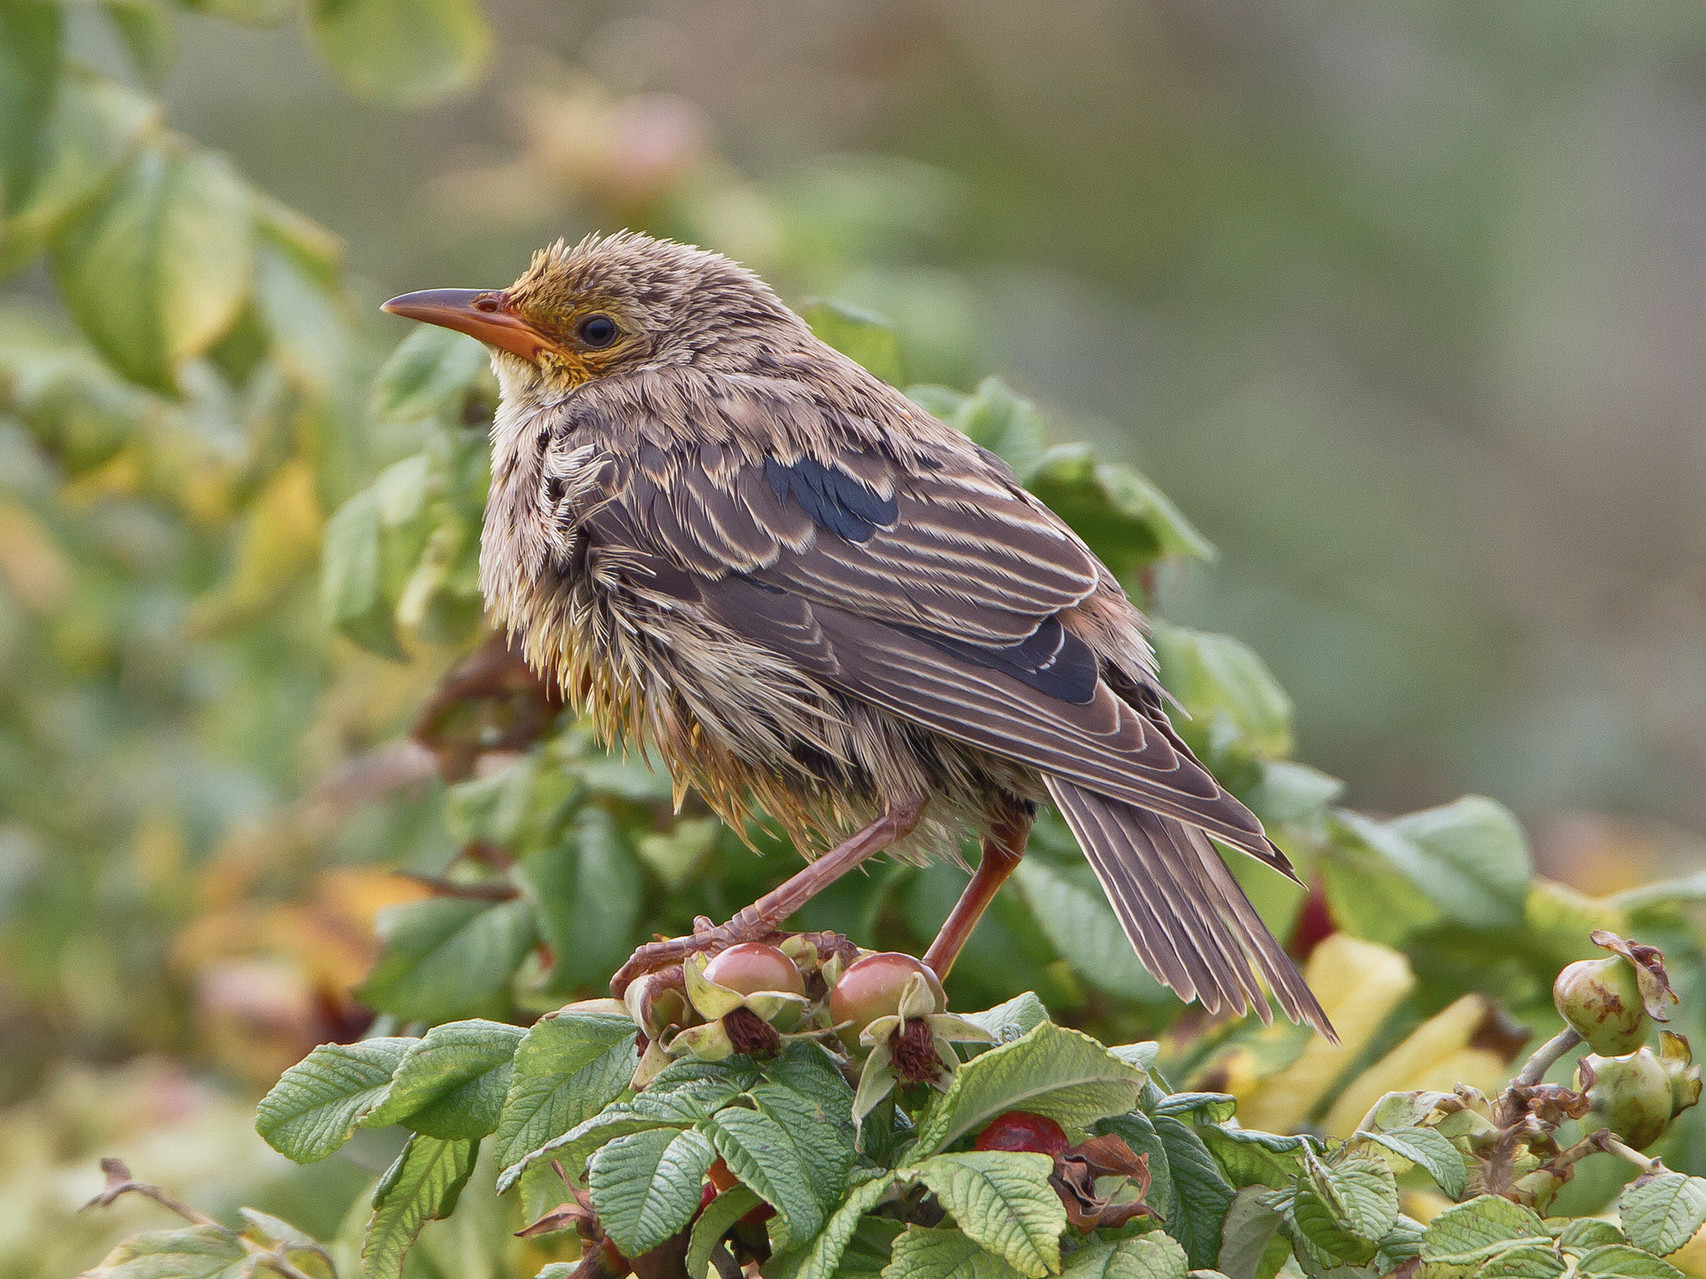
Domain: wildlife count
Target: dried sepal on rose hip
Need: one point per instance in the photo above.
(893, 1006)
(749, 995)
(1682, 1071)
(1077, 1168)
(1608, 1001)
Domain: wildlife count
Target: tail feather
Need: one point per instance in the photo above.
(1185, 914)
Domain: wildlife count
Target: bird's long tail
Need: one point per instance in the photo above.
(1186, 916)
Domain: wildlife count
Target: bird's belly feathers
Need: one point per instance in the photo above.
(749, 730)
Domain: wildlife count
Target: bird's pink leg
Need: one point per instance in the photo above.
(766, 915)
(1002, 849)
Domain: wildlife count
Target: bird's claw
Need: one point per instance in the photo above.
(706, 937)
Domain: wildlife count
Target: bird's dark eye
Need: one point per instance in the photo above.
(597, 331)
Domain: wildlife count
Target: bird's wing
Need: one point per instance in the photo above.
(933, 590)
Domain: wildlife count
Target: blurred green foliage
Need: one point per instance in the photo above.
(237, 546)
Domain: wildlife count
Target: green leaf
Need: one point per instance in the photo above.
(1251, 1224)
(314, 1107)
(575, 1146)
(587, 893)
(146, 31)
(569, 1066)
(922, 1253)
(1080, 924)
(1229, 692)
(1620, 1261)
(404, 51)
(1003, 1201)
(1344, 1210)
(1122, 517)
(646, 1186)
(764, 1157)
(812, 1104)
(1291, 792)
(302, 1250)
(30, 67)
(1148, 1256)
(1663, 1213)
(715, 1221)
(200, 1252)
(1429, 1151)
(422, 1186)
(351, 589)
(821, 1258)
(1051, 1071)
(431, 370)
(1584, 1234)
(1476, 866)
(1251, 1158)
(863, 336)
(1471, 1231)
(158, 268)
(1524, 1261)
(447, 958)
(1013, 1019)
(1201, 1194)
(452, 1083)
(95, 123)
(993, 417)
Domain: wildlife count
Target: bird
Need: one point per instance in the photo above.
(736, 548)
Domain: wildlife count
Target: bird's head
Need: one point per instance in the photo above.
(610, 305)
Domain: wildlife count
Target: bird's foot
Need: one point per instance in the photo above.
(706, 937)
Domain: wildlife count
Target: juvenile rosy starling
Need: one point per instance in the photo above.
(815, 601)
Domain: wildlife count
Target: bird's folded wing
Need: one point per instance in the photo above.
(935, 594)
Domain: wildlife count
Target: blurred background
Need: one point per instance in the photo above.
(1401, 305)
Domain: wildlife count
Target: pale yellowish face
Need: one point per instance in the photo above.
(570, 338)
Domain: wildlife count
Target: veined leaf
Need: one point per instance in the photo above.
(1079, 923)
(568, 1066)
(823, 1255)
(160, 265)
(452, 1083)
(760, 1153)
(1429, 1151)
(1201, 1194)
(1051, 1071)
(1664, 1213)
(1003, 1201)
(925, 1253)
(715, 1221)
(199, 1252)
(316, 1104)
(646, 1186)
(423, 1185)
(1474, 1230)
(1148, 1256)
(1620, 1261)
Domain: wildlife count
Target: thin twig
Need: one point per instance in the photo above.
(1546, 1055)
(120, 1182)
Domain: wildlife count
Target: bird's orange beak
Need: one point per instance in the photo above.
(481, 313)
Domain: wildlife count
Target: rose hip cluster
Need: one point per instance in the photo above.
(1612, 1004)
(884, 1012)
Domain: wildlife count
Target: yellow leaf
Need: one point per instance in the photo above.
(1359, 983)
(279, 543)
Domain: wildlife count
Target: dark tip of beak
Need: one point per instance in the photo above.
(429, 304)
(481, 313)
